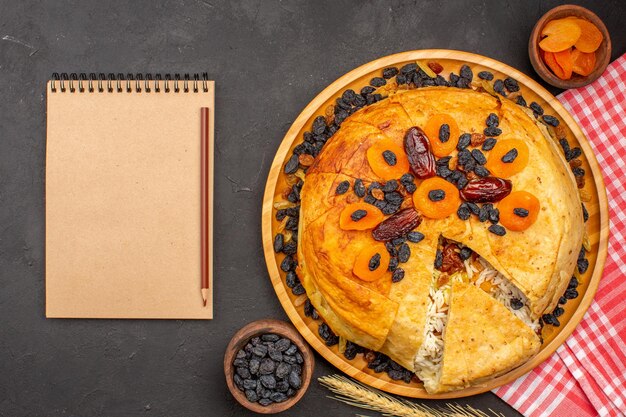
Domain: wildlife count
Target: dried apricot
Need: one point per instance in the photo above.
(519, 210)
(559, 34)
(387, 159)
(583, 63)
(443, 134)
(550, 60)
(372, 263)
(590, 36)
(360, 216)
(507, 158)
(436, 198)
(564, 59)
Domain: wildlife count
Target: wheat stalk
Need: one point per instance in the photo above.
(358, 395)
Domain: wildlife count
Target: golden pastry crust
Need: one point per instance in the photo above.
(391, 317)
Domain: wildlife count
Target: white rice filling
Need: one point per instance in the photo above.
(428, 360)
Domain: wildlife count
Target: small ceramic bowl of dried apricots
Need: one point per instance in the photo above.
(569, 47)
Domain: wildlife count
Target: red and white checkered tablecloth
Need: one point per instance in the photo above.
(587, 374)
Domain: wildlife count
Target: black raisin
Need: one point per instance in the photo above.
(438, 259)
(441, 82)
(509, 156)
(562, 300)
(483, 214)
(390, 158)
(498, 230)
(292, 279)
(378, 82)
(465, 253)
(511, 85)
(369, 199)
(408, 68)
(583, 265)
(565, 145)
(394, 197)
(461, 183)
(292, 165)
(367, 90)
(463, 83)
(536, 108)
(479, 156)
(571, 293)
(292, 224)
(454, 78)
(444, 133)
(516, 303)
(374, 262)
(407, 179)
(436, 195)
(404, 253)
(489, 144)
(492, 131)
(390, 72)
(410, 188)
(578, 172)
(573, 283)
(290, 248)
(494, 215)
(401, 79)
(466, 72)
(492, 120)
(279, 241)
(415, 237)
(443, 171)
(298, 290)
(464, 141)
(585, 213)
(319, 125)
(485, 75)
(343, 187)
(251, 396)
(520, 212)
(398, 275)
(573, 153)
(464, 156)
(393, 264)
(463, 212)
(288, 264)
(391, 208)
(498, 87)
(481, 171)
(520, 101)
(473, 208)
(358, 215)
(359, 188)
(551, 120)
(558, 312)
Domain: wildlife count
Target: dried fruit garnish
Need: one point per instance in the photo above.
(583, 63)
(435, 67)
(433, 126)
(372, 263)
(372, 217)
(559, 34)
(564, 59)
(590, 37)
(451, 261)
(441, 207)
(397, 225)
(486, 190)
(504, 169)
(519, 210)
(420, 157)
(379, 164)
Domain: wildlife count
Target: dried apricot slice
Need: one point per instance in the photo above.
(436, 198)
(387, 159)
(443, 134)
(519, 210)
(360, 216)
(372, 263)
(550, 60)
(564, 59)
(590, 36)
(507, 158)
(560, 34)
(583, 63)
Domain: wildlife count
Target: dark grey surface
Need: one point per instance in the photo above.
(269, 60)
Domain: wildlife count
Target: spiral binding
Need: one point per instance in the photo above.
(128, 83)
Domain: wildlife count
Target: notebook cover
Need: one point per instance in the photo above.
(123, 204)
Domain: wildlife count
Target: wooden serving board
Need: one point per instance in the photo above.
(597, 226)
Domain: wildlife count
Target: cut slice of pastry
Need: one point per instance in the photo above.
(482, 339)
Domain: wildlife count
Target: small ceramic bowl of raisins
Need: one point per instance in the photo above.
(268, 366)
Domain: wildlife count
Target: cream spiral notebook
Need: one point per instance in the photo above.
(123, 196)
